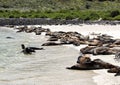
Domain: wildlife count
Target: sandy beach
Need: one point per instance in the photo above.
(48, 67)
(102, 77)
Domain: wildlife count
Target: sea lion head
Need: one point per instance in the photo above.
(85, 59)
(23, 46)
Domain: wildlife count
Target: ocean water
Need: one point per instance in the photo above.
(45, 67)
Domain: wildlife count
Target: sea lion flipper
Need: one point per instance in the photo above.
(35, 48)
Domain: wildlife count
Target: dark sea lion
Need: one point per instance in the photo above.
(29, 50)
(114, 70)
(53, 38)
(85, 63)
(51, 44)
(117, 74)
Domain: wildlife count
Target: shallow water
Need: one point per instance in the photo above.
(45, 67)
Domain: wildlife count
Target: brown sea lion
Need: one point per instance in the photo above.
(53, 38)
(84, 59)
(87, 49)
(101, 50)
(95, 42)
(51, 44)
(114, 70)
(85, 63)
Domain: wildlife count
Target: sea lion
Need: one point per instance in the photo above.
(101, 50)
(114, 70)
(117, 56)
(117, 74)
(53, 38)
(9, 37)
(85, 63)
(51, 44)
(95, 42)
(84, 59)
(87, 49)
(29, 50)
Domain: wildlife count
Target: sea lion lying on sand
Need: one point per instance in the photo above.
(51, 44)
(87, 49)
(53, 38)
(97, 50)
(101, 50)
(95, 42)
(85, 63)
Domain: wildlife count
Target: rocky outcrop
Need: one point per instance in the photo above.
(48, 21)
